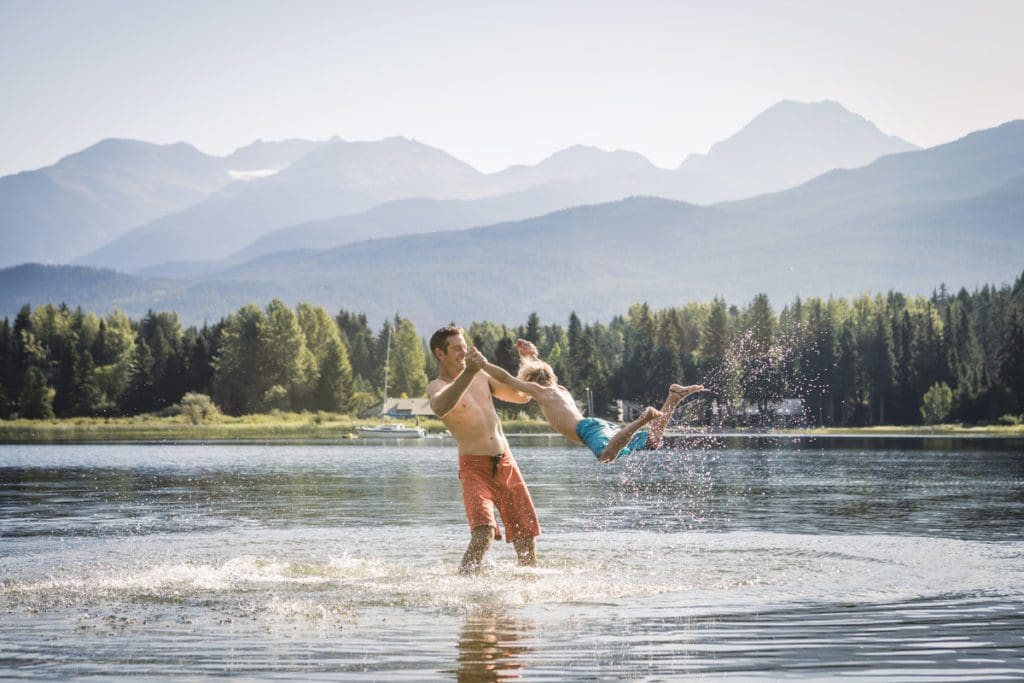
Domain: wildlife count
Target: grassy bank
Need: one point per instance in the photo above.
(330, 426)
(929, 430)
(277, 425)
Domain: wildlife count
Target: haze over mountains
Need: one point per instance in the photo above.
(343, 178)
(811, 140)
(569, 233)
(159, 213)
(953, 213)
(86, 199)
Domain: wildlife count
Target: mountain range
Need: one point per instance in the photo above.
(91, 197)
(167, 209)
(58, 213)
(906, 221)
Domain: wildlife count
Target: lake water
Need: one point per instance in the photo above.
(887, 560)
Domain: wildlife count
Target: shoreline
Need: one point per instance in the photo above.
(324, 428)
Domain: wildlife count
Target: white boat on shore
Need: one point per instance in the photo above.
(392, 431)
(389, 430)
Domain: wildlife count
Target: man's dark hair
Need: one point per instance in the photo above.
(439, 340)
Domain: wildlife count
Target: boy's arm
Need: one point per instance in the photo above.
(506, 392)
(527, 349)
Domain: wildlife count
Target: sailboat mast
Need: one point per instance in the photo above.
(387, 364)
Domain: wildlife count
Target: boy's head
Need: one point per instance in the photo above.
(538, 372)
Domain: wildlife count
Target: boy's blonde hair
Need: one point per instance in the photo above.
(537, 371)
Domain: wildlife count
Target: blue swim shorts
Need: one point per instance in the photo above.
(596, 433)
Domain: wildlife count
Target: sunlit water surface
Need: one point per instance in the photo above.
(772, 559)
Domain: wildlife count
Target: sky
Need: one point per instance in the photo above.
(493, 84)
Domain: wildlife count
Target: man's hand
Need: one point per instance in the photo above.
(475, 360)
(526, 349)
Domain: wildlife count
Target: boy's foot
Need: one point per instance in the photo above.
(650, 413)
(679, 392)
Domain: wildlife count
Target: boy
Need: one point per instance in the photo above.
(538, 381)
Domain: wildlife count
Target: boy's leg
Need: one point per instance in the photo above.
(676, 393)
(622, 437)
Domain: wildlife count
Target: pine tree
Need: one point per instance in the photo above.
(139, 396)
(1011, 359)
(881, 361)
(505, 355)
(36, 399)
(638, 354)
(198, 357)
(761, 371)
(86, 396)
(407, 373)
(666, 364)
(533, 332)
(283, 358)
(358, 339)
(849, 387)
(575, 333)
(238, 382)
(8, 366)
(591, 374)
(335, 385)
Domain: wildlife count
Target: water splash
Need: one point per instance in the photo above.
(759, 382)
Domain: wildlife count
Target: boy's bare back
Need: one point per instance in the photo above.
(559, 408)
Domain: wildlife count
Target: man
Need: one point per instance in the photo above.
(462, 397)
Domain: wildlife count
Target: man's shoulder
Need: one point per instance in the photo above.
(437, 384)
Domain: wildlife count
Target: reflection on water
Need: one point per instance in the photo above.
(316, 561)
(491, 647)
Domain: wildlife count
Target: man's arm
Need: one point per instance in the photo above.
(444, 397)
(509, 388)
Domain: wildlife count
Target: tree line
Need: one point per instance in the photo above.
(57, 361)
(873, 359)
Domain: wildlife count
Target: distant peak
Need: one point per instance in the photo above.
(122, 147)
(119, 143)
(792, 118)
(574, 152)
(579, 153)
(797, 108)
(821, 104)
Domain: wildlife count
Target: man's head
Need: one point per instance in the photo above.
(448, 338)
(538, 372)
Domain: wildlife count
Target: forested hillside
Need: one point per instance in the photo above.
(882, 359)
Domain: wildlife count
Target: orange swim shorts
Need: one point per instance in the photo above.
(494, 481)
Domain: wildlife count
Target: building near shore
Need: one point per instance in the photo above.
(401, 408)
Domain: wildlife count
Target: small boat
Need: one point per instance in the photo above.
(388, 430)
(392, 431)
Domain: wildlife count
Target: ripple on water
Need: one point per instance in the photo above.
(303, 563)
(713, 572)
